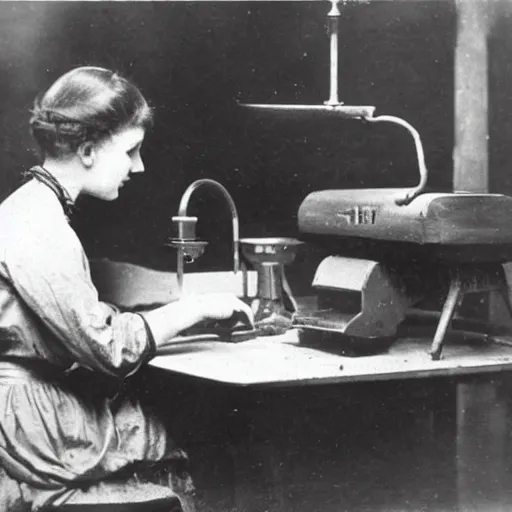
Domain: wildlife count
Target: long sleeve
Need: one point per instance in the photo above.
(48, 270)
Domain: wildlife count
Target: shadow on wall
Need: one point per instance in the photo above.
(194, 61)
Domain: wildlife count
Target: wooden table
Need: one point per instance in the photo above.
(482, 411)
(278, 402)
(282, 361)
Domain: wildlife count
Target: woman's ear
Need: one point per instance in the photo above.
(86, 153)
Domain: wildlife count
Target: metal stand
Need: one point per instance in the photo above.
(468, 279)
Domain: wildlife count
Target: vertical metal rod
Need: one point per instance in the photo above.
(236, 241)
(179, 268)
(334, 15)
(245, 277)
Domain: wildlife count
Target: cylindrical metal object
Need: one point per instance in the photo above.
(179, 268)
(334, 15)
(270, 281)
(184, 227)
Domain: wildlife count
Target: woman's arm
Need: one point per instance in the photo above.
(168, 321)
(49, 272)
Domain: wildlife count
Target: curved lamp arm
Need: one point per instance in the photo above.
(420, 155)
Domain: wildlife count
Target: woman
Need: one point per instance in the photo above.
(57, 439)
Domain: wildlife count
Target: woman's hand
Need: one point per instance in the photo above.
(219, 306)
(168, 321)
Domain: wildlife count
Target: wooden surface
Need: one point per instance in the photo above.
(282, 361)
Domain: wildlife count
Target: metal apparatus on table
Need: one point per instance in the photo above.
(184, 240)
(393, 249)
(273, 305)
(386, 258)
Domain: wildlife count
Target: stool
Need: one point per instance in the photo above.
(122, 497)
(148, 506)
(101, 497)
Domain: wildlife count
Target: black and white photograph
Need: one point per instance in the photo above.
(256, 256)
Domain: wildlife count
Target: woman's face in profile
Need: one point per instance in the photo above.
(113, 161)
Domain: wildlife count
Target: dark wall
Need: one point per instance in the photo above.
(195, 60)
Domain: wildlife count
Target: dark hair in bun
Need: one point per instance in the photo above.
(86, 104)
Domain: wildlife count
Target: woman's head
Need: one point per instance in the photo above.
(87, 104)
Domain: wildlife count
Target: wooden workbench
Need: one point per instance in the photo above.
(282, 361)
(479, 374)
(251, 376)
(272, 379)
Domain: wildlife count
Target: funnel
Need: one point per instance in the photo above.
(273, 250)
(274, 305)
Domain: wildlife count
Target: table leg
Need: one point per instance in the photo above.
(483, 444)
(449, 306)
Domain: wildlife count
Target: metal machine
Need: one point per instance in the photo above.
(392, 249)
(387, 258)
(272, 303)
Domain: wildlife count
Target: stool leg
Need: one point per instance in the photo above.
(449, 306)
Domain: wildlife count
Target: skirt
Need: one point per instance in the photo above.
(62, 437)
